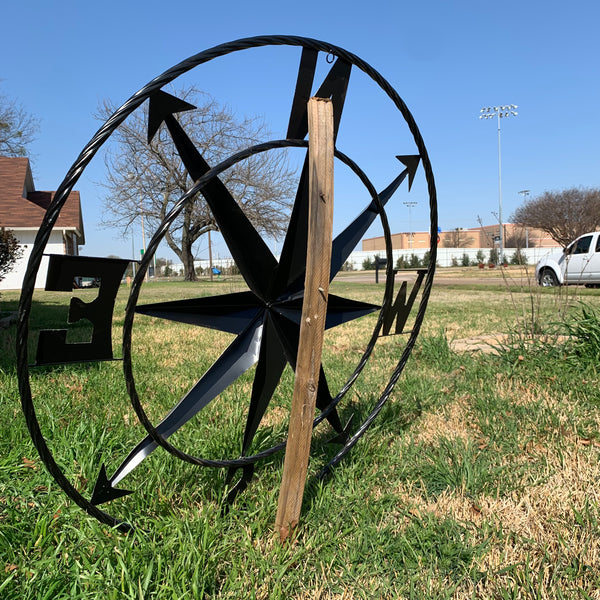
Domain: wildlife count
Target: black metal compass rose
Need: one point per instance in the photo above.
(265, 320)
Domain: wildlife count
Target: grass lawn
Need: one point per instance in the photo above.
(480, 479)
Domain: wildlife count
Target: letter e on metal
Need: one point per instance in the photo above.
(63, 271)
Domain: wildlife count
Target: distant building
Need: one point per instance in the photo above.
(22, 209)
(515, 236)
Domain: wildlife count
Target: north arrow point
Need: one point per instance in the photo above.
(104, 491)
(161, 106)
(411, 162)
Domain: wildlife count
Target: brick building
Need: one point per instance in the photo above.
(515, 236)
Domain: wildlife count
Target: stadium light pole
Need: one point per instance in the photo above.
(410, 204)
(500, 112)
(525, 193)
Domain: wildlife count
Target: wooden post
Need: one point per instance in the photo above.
(314, 310)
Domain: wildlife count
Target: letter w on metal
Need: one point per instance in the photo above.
(400, 310)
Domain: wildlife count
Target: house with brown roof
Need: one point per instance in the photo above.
(22, 209)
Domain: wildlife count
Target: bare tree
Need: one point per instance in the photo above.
(457, 238)
(148, 178)
(563, 215)
(17, 128)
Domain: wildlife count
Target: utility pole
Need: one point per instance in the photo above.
(210, 256)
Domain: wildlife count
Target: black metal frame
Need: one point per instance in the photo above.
(148, 91)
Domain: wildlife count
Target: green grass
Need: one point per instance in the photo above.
(480, 478)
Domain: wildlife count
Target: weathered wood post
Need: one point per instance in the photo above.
(314, 310)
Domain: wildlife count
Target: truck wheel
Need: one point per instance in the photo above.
(548, 278)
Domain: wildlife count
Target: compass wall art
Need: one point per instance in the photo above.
(260, 322)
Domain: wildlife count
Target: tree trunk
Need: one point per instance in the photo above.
(187, 240)
(188, 263)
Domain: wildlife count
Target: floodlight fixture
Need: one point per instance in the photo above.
(410, 204)
(502, 111)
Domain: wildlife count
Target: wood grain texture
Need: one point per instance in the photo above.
(314, 310)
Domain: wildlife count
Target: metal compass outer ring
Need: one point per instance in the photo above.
(87, 155)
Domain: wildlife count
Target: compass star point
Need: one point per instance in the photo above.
(161, 105)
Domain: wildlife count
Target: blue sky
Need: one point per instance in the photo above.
(446, 60)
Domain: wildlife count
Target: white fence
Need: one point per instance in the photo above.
(446, 257)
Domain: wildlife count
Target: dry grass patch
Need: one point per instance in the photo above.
(322, 594)
(532, 536)
(276, 416)
(451, 421)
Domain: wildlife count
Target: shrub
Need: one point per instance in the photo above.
(401, 262)
(369, 263)
(415, 263)
(10, 252)
(465, 261)
(518, 258)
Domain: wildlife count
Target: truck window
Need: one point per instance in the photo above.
(598, 244)
(583, 245)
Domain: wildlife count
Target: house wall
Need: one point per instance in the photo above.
(14, 279)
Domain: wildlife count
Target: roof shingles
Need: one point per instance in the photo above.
(17, 211)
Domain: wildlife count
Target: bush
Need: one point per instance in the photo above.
(426, 259)
(369, 263)
(414, 263)
(480, 257)
(401, 262)
(518, 258)
(10, 252)
(465, 261)
(493, 256)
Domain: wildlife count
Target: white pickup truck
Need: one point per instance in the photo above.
(577, 264)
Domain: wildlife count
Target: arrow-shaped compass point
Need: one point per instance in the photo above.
(104, 491)
(411, 162)
(342, 436)
(161, 106)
